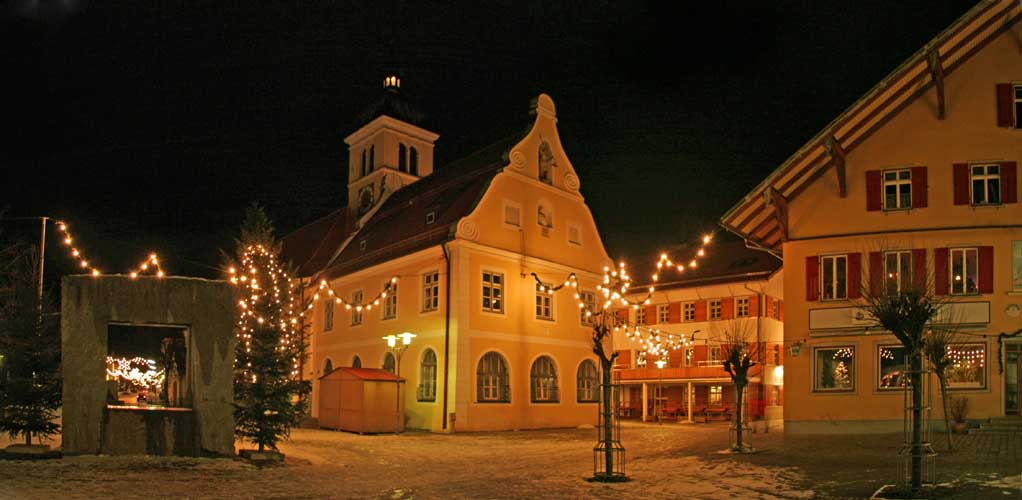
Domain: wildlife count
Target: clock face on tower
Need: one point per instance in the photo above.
(365, 199)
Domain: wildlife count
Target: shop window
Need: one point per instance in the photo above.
(834, 369)
(891, 367)
(968, 366)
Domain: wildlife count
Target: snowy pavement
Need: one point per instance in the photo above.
(664, 462)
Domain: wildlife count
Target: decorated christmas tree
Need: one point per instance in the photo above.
(841, 376)
(270, 397)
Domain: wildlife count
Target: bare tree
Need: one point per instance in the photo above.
(603, 329)
(741, 351)
(937, 350)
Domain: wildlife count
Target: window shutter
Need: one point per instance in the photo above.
(727, 308)
(769, 307)
(876, 273)
(986, 269)
(701, 310)
(919, 269)
(780, 305)
(1009, 182)
(961, 183)
(874, 191)
(940, 271)
(754, 306)
(651, 318)
(674, 312)
(920, 188)
(854, 275)
(622, 315)
(812, 278)
(1004, 105)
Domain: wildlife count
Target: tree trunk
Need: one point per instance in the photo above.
(608, 427)
(739, 441)
(944, 398)
(917, 419)
(28, 438)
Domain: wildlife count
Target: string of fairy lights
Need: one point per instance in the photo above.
(615, 287)
(359, 306)
(151, 264)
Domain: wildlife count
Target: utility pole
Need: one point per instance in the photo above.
(42, 259)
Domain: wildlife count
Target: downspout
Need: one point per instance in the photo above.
(447, 329)
(760, 308)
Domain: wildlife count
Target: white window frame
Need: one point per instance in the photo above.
(544, 387)
(985, 177)
(964, 258)
(508, 204)
(430, 291)
(489, 285)
(589, 299)
(689, 357)
(389, 310)
(663, 314)
(897, 254)
(328, 315)
(715, 392)
(899, 185)
(356, 300)
(544, 304)
(640, 315)
(688, 312)
(742, 307)
(713, 354)
(714, 309)
(834, 278)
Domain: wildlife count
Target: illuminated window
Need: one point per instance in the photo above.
(714, 309)
(427, 377)
(968, 366)
(493, 292)
(589, 299)
(897, 272)
(716, 395)
(430, 291)
(663, 313)
(891, 367)
(588, 382)
(834, 369)
(897, 189)
(544, 303)
(492, 379)
(690, 357)
(356, 308)
(328, 315)
(742, 307)
(834, 277)
(390, 303)
(689, 309)
(964, 271)
(544, 381)
(986, 184)
(714, 354)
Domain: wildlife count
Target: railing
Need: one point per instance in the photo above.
(711, 363)
(716, 371)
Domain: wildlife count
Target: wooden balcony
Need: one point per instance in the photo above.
(702, 372)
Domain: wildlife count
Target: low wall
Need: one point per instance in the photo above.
(145, 431)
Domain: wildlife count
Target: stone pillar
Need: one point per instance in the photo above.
(645, 402)
(690, 395)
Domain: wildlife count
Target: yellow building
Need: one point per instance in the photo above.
(733, 287)
(915, 183)
(464, 240)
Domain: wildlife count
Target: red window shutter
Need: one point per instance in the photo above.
(940, 270)
(874, 191)
(754, 306)
(919, 269)
(876, 274)
(1009, 182)
(920, 188)
(986, 269)
(769, 306)
(727, 308)
(701, 310)
(651, 318)
(1004, 105)
(674, 312)
(854, 275)
(622, 315)
(812, 278)
(780, 305)
(961, 183)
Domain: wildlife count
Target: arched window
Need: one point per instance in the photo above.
(588, 382)
(544, 381)
(328, 366)
(492, 381)
(388, 362)
(356, 362)
(372, 158)
(427, 377)
(413, 161)
(364, 171)
(402, 160)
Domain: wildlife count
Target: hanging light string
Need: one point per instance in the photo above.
(326, 292)
(616, 284)
(151, 263)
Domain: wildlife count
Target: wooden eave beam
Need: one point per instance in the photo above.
(937, 73)
(779, 204)
(837, 157)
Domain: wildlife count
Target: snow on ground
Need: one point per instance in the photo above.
(664, 462)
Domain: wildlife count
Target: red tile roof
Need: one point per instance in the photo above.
(310, 247)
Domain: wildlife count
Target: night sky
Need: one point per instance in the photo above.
(151, 125)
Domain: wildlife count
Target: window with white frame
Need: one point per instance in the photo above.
(390, 303)
(328, 315)
(897, 272)
(716, 395)
(430, 291)
(688, 310)
(714, 354)
(742, 307)
(493, 292)
(356, 308)
(544, 303)
(834, 277)
(544, 381)
(512, 214)
(427, 377)
(587, 382)
(964, 271)
(690, 356)
(640, 316)
(663, 313)
(714, 309)
(589, 299)
(986, 184)
(897, 189)
(1016, 265)
(492, 380)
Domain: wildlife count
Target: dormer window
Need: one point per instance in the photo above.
(430, 217)
(402, 158)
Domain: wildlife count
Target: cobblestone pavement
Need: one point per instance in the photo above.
(664, 462)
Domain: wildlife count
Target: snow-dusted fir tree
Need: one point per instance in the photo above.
(270, 397)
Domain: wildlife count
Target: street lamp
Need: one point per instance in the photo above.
(397, 351)
(660, 391)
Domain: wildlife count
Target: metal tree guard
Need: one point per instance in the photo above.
(617, 451)
(741, 422)
(925, 453)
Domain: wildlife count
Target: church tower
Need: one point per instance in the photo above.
(388, 150)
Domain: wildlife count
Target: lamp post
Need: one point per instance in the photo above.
(660, 391)
(397, 351)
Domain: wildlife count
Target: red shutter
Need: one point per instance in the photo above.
(854, 275)
(876, 274)
(770, 307)
(701, 310)
(651, 318)
(920, 188)
(780, 304)
(986, 269)
(919, 269)
(1009, 182)
(674, 312)
(940, 270)
(961, 183)
(1004, 105)
(622, 315)
(727, 308)
(754, 306)
(874, 191)
(812, 278)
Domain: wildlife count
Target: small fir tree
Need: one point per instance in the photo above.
(270, 397)
(30, 382)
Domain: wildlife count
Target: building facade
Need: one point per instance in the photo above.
(455, 248)
(914, 185)
(734, 288)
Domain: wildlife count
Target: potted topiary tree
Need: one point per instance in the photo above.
(959, 412)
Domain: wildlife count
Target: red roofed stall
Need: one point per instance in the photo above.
(362, 400)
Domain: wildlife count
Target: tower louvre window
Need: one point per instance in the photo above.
(413, 161)
(402, 158)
